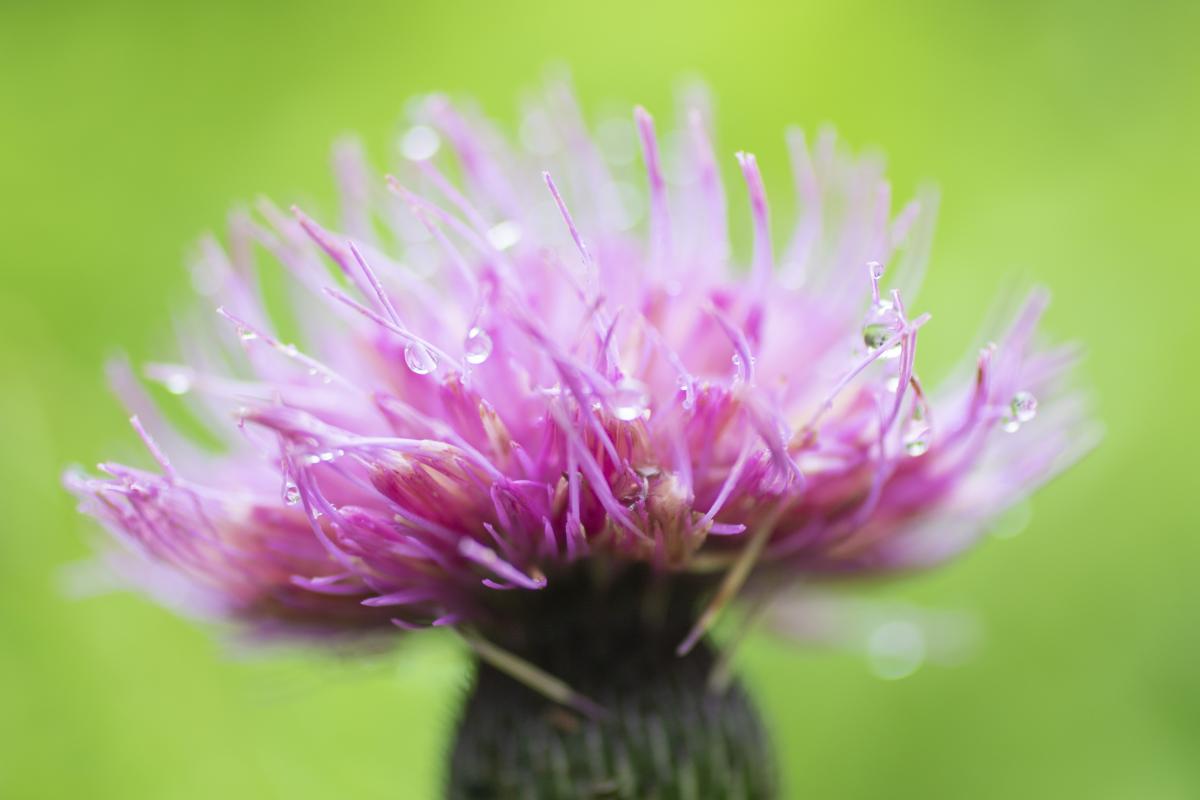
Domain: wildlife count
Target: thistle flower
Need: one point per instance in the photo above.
(515, 407)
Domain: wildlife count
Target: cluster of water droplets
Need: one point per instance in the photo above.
(323, 457)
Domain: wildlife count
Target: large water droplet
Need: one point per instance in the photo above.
(629, 399)
(291, 492)
(896, 649)
(478, 346)
(882, 323)
(419, 359)
(1021, 409)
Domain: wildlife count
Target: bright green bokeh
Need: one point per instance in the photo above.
(1063, 136)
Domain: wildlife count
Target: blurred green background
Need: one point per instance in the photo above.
(1063, 136)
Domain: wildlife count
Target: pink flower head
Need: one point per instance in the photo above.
(506, 372)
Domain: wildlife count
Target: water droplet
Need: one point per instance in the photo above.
(689, 392)
(246, 335)
(320, 374)
(881, 324)
(917, 434)
(876, 269)
(478, 346)
(420, 143)
(629, 399)
(1021, 409)
(419, 359)
(178, 383)
(504, 235)
(291, 492)
(1024, 406)
(917, 438)
(323, 457)
(896, 649)
(740, 370)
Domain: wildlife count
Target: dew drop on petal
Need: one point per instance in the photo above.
(917, 438)
(895, 650)
(478, 346)
(629, 399)
(420, 143)
(1021, 409)
(419, 359)
(881, 324)
(1024, 406)
(320, 375)
(291, 492)
(917, 434)
(689, 393)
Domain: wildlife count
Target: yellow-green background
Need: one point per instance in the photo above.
(1063, 135)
